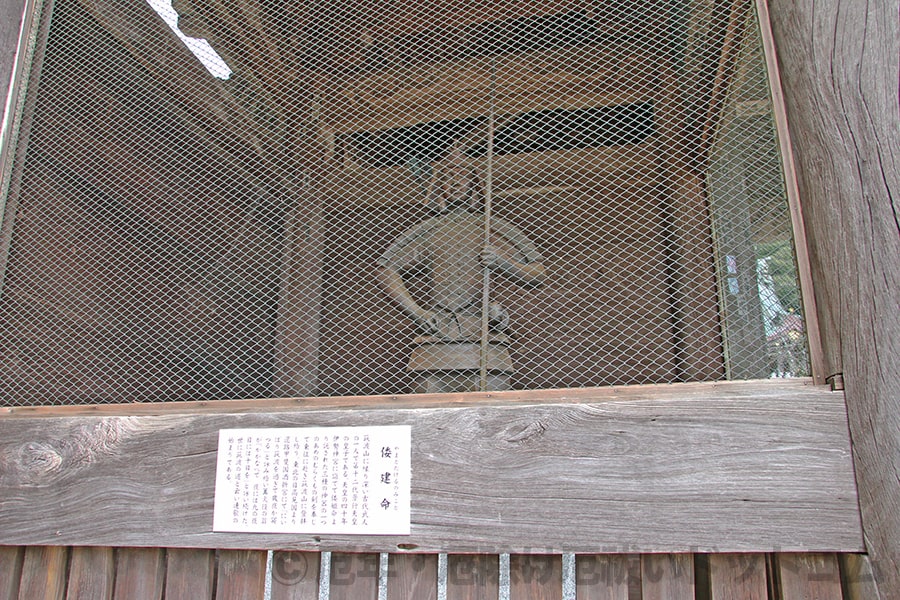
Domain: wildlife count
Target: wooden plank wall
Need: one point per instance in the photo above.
(102, 573)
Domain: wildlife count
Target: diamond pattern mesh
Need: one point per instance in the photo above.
(315, 223)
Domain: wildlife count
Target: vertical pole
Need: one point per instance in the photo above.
(488, 184)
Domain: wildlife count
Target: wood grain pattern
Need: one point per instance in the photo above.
(535, 577)
(295, 575)
(91, 573)
(809, 577)
(140, 573)
(412, 576)
(190, 574)
(738, 577)
(242, 575)
(473, 576)
(354, 576)
(44, 573)
(11, 558)
(753, 470)
(455, 90)
(667, 577)
(840, 67)
(601, 577)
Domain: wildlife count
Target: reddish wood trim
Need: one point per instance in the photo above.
(535, 577)
(44, 573)
(473, 576)
(354, 576)
(190, 574)
(800, 387)
(92, 571)
(413, 576)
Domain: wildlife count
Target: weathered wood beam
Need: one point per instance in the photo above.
(354, 576)
(140, 573)
(92, 571)
(241, 574)
(667, 577)
(44, 573)
(473, 576)
(602, 577)
(295, 576)
(11, 561)
(704, 467)
(536, 577)
(803, 576)
(459, 89)
(738, 576)
(840, 66)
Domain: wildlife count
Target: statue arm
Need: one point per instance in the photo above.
(393, 285)
(527, 268)
(524, 273)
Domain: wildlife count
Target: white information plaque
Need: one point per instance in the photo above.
(347, 480)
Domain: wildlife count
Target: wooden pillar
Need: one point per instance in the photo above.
(300, 299)
(302, 260)
(839, 63)
(695, 311)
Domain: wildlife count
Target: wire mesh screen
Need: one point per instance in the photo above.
(342, 198)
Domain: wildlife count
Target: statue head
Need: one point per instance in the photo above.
(454, 183)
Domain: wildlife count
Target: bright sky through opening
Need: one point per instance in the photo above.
(201, 48)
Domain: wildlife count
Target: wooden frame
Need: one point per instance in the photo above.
(859, 339)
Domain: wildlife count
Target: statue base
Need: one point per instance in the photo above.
(441, 366)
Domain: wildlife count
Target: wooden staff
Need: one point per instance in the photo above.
(488, 182)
